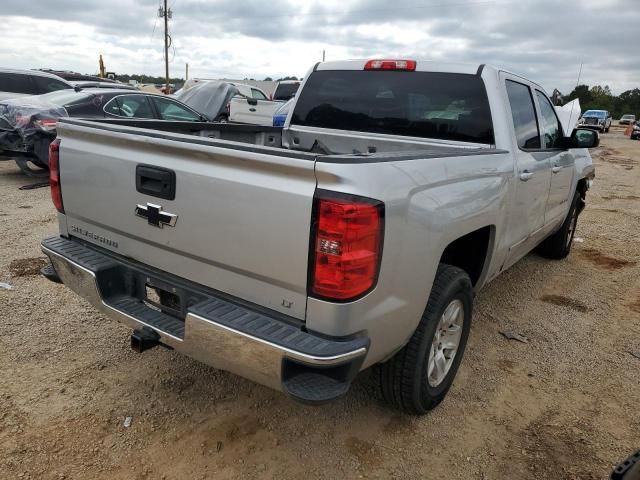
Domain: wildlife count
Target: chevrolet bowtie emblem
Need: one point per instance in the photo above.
(155, 216)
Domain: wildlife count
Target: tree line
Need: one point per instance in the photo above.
(601, 98)
(178, 81)
(148, 79)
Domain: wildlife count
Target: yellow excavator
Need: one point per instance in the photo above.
(103, 72)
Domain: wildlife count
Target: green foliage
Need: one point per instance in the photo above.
(601, 98)
(148, 79)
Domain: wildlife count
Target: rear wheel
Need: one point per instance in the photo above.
(41, 171)
(419, 376)
(558, 245)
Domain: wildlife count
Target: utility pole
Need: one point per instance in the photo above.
(166, 14)
(323, 55)
(186, 73)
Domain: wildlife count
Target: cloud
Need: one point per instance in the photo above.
(544, 39)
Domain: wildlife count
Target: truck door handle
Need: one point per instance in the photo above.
(252, 109)
(556, 169)
(525, 176)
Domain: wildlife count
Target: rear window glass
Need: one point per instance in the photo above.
(285, 91)
(17, 83)
(445, 106)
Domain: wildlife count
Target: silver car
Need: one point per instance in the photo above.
(18, 83)
(596, 119)
(627, 120)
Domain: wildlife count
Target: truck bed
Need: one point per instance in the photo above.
(303, 144)
(238, 193)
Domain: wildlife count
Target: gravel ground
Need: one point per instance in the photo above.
(563, 406)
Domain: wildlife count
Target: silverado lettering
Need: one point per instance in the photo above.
(93, 236)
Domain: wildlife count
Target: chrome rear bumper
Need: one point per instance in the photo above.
(217, 330)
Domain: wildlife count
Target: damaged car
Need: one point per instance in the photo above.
(28, 124)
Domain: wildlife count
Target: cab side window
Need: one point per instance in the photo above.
(135, 106)
(257, 94)
(169, 110)
(551, 126)
(113, 108)
(17, 83)
(523, 113)
(46, 84)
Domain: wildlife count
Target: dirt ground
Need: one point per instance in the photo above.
(563, 406)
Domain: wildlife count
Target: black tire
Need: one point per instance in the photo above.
(404, 378)
(558, 245)
(606, 130)
(25, 168)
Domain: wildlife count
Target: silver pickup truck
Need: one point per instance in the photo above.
(355, 236)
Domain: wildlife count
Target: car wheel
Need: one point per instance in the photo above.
(418, 377)
(26, 169)
(606, 130)
(558, 245)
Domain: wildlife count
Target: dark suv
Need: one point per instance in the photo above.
(18, 83)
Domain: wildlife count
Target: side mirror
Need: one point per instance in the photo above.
(252, 101)
(584, 138)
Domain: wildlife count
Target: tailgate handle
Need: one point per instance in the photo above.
(156, 181)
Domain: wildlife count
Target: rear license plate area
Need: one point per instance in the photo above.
(163, 298)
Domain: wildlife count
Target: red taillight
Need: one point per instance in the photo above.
(46, 124)
(404, 65)
(347, 246)
(54, 174)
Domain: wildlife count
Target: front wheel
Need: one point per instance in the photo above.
(558, 245)
(419, 376)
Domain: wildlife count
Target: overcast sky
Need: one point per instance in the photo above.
(543, 39)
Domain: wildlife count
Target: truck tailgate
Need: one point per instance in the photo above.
(259, 112)
(242, 214)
